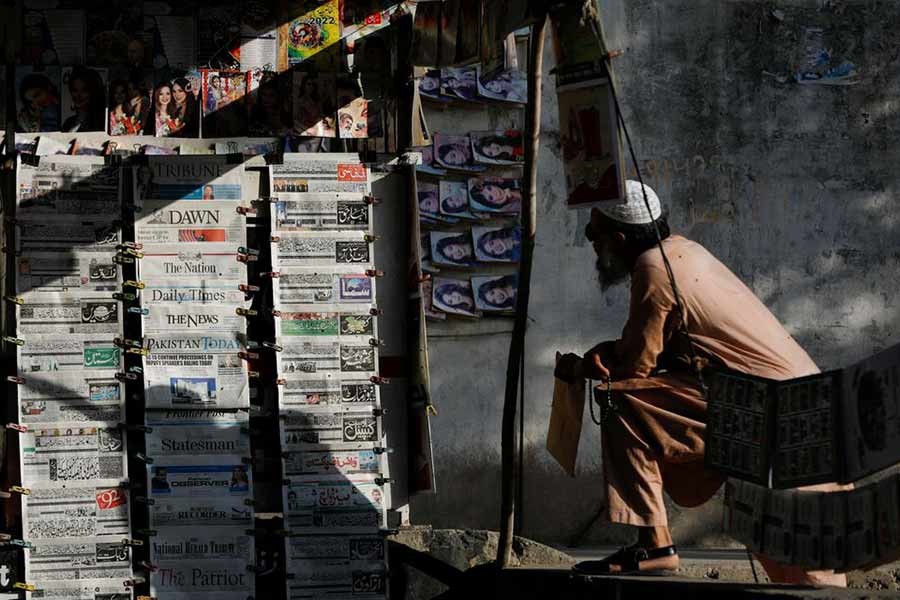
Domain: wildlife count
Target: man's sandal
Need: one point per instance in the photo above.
(628, 560)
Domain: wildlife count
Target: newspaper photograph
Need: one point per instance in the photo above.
(70, 398)
(219, 579)
(197, 432)
(68, 313)
(179, 178)
(195, 371)
(189, 222)
(331, 504)
(79, 558)
(81, 589)
(338, 578)
(74, 272)
(340, 326)
(67, 512)
(327, 462)
(310, 430)
(60, 455)
(197, 318)
(91, 232)
(332, 359)
(328, 392)
(200, 494)
(322, 249)
(321, 212)
(326, 287)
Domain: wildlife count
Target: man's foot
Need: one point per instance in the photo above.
(633, 559)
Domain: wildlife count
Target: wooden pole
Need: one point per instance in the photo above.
(516, 345)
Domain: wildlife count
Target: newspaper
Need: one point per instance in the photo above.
(321, 212)
(65, 512)
(195, 371)
(197, 318)
(210, 492)
(61, 455)
(347, 325)
(81, 589)
(67, 185)
(204, 274)
(328, 392)
(69, 313)
(194, 432)
(195, 178)
(323, 287)
(331, 504)
(95, 558)
(336, 578)
(328, 173)
(303, 359)
(192, 561)
(319, 249)
(92, 232)
(75, 272)
(327, 462)
(190, 222)
(318, 429)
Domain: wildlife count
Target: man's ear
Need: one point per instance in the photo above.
(619, 237)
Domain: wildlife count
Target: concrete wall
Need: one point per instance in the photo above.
(794, 187)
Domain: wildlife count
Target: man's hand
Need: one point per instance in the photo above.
(598, 360)
(568, 368)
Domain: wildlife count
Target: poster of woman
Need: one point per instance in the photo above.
(497, 244)
(460, 83)
(455, 199)
(37, 99)
(498, 147)
(452, 249)
(454, 152)
(495, 195)
(129, 102)
(430, 86)
(83, 99)
(427, 165)
(509, 85)
(453, 296)
(496, 293)
(224, 114)
(428, 199)
(314, 99)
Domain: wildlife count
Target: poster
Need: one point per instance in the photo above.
(176, 108)
(497, 244)
(353, 112)
(453, 296)
(37, 99)
(460, 83)
(509, 85)
(83, 99)
(129, 104)
(590, 142)
(259, 36)
(455, 152)
(329, 287)
(498, 147)
(314, 101)
(452, 249)
(495, 195)
(305, 35)
(210, 492)
(186, 370)
(454, 199)
(52, 35)
(224, 103)
(187, 433)
(495, 293)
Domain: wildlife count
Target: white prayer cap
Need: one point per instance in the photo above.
(633, 210)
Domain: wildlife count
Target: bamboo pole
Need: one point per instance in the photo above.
(516, 345)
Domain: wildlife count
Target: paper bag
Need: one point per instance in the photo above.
(565, 422)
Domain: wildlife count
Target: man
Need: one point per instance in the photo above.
(653, 438)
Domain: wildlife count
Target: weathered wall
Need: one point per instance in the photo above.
(793, 187)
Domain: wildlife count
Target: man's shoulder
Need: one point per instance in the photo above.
(677, 248)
